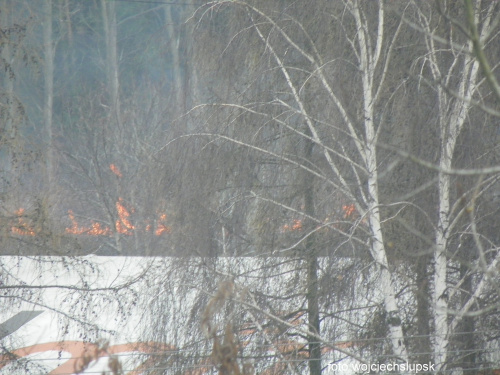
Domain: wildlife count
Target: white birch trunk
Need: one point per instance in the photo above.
(451, 126)
(453, 111)
(368, 58)
(440, 267)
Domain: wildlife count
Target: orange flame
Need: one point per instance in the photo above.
(115, 170)
(123, 224)
(296, 225)
(94, 230)
(97, 230)
(162, 228)
(349, 210)
(75, 229)
(22, 228)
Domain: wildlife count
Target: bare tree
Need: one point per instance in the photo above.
(346, 158)
(455, 74)
(347, 105)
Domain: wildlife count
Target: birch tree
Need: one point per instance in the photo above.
(348, 99)
(308, 103)
(457, 84)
